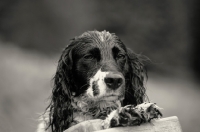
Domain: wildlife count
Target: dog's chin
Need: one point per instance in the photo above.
(111, 98)
(98, 107)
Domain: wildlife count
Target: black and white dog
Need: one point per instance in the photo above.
(96, 74)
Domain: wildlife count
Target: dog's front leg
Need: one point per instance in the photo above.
(130, 115)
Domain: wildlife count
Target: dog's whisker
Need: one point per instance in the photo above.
(83, 86)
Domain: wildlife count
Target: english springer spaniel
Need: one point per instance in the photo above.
(96, 76)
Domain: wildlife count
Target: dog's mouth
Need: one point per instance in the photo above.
(109, 97)
(109, 101)
(112, 97)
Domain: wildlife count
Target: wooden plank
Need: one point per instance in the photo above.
(169, 124)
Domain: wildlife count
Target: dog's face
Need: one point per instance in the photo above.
(99, 66)
(95, 72)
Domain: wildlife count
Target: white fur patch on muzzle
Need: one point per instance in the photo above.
(109, 85)
(97, 86)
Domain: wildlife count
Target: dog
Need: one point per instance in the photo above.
(96, 74)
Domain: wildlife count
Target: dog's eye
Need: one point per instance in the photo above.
(88, 57)
(120, 56)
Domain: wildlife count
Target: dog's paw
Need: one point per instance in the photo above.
(111, 120)
(123, 116)
(148, 111)
(130, 115)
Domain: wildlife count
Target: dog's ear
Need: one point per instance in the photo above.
(135, 91)
(60, 106)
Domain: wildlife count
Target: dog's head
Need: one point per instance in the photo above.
(98, 66)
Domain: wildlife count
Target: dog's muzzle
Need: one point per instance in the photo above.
(104, 84)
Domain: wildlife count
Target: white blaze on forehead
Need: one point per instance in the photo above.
(101, 38)
(99, 78)
(103, 35)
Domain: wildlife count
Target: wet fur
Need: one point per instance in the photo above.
(71, 80)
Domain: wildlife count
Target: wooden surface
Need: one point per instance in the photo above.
(169, 124)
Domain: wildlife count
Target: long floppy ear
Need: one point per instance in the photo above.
(135, 91)
(60, 107)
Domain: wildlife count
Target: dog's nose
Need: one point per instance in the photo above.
(113, 81)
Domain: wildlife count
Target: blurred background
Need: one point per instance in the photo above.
(33, 34)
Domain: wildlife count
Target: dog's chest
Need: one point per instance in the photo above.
(87, 110)
(80, 117)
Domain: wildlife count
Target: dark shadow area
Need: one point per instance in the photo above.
(195, 29)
